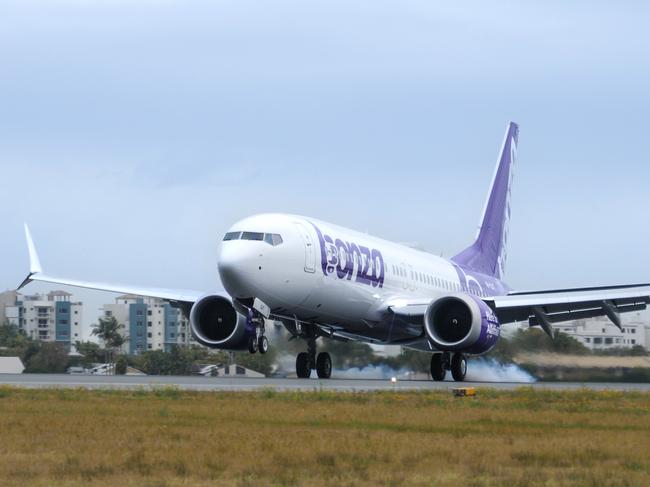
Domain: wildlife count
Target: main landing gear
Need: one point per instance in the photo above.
(442, 362)
(308, 361)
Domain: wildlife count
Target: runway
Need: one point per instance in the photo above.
(199, 383)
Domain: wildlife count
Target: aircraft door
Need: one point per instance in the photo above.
(411, 278)
(310, 251)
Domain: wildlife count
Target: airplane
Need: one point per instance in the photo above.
(324, 281)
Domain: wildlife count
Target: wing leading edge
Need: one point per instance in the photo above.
(36, 274)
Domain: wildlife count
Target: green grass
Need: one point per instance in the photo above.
(167, 437)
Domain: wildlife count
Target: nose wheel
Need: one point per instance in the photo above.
(252, 344)
(257, 342)
(263, 344)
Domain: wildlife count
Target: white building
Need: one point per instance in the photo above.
(601, 334)
(47, 317)
(7, 298)
(229, 370)
(148, 323)
(11, 365)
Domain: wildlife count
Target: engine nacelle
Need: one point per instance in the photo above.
(216, 324)
(461, 322)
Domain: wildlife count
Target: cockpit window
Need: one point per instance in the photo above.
(252, 236)
(270, 238)
(273, 239)
(232, 236)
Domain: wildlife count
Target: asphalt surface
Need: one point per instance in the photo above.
(199, 383)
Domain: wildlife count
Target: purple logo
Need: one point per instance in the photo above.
(347, 260)
(493, 327)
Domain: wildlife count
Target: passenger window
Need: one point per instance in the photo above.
(232, 236)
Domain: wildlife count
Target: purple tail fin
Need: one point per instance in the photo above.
(487, 254)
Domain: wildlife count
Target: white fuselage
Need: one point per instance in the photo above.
(324, 273)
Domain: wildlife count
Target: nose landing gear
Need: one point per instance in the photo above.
(442, 362)
(263, 344)
(257, 341)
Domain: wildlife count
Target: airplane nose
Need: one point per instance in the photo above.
(237, 265)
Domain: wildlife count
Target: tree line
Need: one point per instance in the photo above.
(44, 357)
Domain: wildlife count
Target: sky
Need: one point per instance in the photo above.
(133, 134)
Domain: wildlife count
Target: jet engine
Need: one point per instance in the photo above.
(461, 322)
(216, 324)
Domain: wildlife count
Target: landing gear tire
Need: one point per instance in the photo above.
(252, 344)
(458, 367)
(303, 365)
(438, 369)
(263, 344)
(324, 365)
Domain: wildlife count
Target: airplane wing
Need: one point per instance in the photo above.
(547, 307)
(543, 308)
(36, 274)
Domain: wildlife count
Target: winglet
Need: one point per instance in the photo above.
(34, 262)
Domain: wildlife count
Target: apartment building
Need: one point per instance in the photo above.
(51, 317)
(148, 323)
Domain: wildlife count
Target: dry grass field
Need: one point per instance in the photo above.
(169, 438)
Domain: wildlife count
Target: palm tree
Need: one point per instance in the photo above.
(108, 330)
